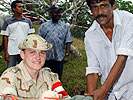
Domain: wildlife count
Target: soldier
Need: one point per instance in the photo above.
(28, 80)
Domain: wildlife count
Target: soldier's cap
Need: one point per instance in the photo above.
(54, 8)
(34, 41)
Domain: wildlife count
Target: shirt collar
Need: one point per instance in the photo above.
(13, 18)
(117, 21)
(42, 77)
(26, 76)
(56, 22)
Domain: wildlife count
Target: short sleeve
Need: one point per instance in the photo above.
(41, 30)
(68, 35)
(7, 83)
(31, 30)
(5, 29)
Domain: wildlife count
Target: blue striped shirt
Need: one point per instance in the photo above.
(58, 34)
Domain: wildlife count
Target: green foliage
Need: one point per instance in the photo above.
(79, 32)
(3, 65)
(124, 5)
(42, 10)
(74, 79)
(36, 27)
(85, 15)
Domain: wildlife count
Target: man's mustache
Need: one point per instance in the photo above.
(98, 16)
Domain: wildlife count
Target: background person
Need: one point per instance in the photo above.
(109, 49)
(28, 80)
(58, 34)
(15, 29)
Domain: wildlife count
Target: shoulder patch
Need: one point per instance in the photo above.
(15, 69)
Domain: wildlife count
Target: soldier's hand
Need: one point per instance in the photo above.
(50, 94)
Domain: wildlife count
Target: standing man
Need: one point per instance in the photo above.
(15, 29)
(28, 80)
(109, 49)
(58, 34)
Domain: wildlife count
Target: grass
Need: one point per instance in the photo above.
(3, 65)
(74, 79)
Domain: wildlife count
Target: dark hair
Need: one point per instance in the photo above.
(89, 2)
(13, 4)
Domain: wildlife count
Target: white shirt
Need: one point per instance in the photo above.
(102, 53)
(16, 30)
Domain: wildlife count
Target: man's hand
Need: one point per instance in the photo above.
(50, 94)
(66, 58)
(98, 94)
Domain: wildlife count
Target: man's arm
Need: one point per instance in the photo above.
(113, 76)
(6, 48)
(115, 72)
(67, 51)
(92, 82)
(31, 28)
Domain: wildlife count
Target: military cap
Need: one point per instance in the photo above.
(34, 41)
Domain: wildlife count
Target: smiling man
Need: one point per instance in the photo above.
(109, 50)
(28, 80)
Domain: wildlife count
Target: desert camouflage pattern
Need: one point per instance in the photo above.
(17, 81)
(34, 41)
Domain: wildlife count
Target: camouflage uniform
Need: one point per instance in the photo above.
(18, 82)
